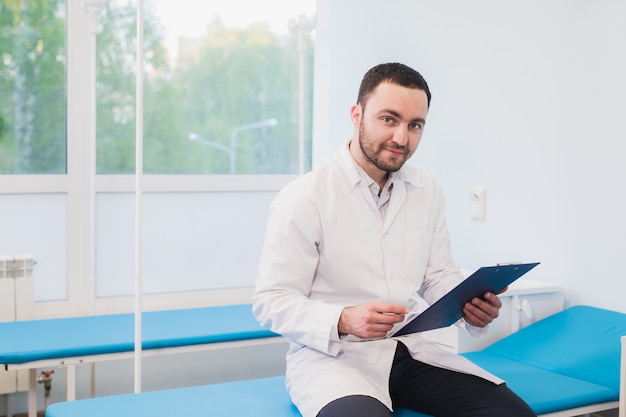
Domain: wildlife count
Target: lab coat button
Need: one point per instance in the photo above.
(390, 277)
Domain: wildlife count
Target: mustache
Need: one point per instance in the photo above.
(395, 147)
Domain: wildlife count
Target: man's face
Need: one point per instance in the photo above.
(390, 127)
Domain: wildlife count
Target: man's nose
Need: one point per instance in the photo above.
(401, 136)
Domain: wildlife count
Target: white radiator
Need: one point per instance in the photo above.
(16, 303)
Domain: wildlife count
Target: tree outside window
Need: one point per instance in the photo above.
(208, 89)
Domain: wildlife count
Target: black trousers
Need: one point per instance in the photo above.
(435, 391)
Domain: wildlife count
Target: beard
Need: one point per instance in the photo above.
(375, 153)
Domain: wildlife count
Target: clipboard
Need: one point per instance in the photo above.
(449, 308)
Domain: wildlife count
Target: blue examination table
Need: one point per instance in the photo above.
(67, 342)
(49, 339)
(564, 365)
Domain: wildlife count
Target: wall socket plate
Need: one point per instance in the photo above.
(478, 203)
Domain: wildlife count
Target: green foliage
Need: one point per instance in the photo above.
(216, 84)
(228, 79)
(32, 87)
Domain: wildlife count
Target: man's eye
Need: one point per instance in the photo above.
(416, 126)
(387, 119)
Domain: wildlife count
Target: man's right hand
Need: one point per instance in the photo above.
(370, 320)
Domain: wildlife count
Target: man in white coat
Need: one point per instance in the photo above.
(350, 248)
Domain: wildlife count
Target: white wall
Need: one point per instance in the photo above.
(528, 102)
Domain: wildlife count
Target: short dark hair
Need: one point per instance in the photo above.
(394, 73)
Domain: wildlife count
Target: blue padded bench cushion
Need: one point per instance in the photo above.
(570, 359)
(565, 361)
(545, 391)
(21, 341)
(265, 397)
(581, 342)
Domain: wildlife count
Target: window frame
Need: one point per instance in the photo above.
(80, 184)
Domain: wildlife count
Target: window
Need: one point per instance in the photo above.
(221, 90)
(32, 87)
(221, 96)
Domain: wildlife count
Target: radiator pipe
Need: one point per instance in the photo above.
(46, 380)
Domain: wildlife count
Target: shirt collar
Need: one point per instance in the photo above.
(353, 171)
(365, 177)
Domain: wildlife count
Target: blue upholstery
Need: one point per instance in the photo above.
(22, 341)
(258, 397)
(544, 391)
(568, 360)
(581, 342)
(265, 397)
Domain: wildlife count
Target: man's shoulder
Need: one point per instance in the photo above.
(327, 176)
(417, 177)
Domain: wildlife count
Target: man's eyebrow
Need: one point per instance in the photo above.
(392, 112)
(399, 116)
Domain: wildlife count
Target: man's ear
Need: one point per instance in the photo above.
(356, 113)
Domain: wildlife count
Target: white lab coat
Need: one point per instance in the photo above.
(327, 247)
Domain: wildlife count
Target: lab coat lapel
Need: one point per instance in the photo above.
(398, 197)
(353, 179)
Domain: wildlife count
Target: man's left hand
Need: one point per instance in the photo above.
(480, 312)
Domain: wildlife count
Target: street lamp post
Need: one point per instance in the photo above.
(233, 138)
(231, 150)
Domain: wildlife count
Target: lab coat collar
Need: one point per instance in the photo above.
(403, 179)
(345, 160)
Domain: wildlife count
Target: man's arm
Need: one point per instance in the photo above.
(286, 272)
